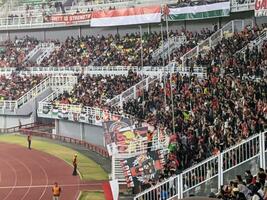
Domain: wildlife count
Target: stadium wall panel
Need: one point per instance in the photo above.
(81, 131)
(9, 121)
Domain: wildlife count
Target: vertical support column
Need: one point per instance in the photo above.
(56, 126)
(113, 168)
(264, 154)
(146, 84)
(220, 170)
(262, 150)
(121, 103)
(82, 133)
(134, 91)
(180, 189)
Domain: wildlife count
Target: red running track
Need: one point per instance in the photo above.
(30, 174)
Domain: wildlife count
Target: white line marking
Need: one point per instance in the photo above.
(44, 186)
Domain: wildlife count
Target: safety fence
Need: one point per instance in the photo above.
(231, 27)
(54, 82)
(209, 175)
(92, 147)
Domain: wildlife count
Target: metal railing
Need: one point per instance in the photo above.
(239, 6)
(98, 149)
(257, 43)
(154, 74)
(132, 92)
(37, 20)
(210, 174)
(72, 112)
(174, 42)
(47, 49)
(135, 149)
(214, 39)
(53, 81)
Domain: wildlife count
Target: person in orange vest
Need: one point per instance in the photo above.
(56, 190)
(29, 139)
(74, 162)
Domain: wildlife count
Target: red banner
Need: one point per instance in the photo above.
(260, 8)
(71, 18)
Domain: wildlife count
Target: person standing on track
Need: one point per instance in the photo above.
(29, 139)
(56, 190)
(74, 162)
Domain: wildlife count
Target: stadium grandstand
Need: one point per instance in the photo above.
(133, 99)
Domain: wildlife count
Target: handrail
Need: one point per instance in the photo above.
(98, 149)
(256, 42)
(52, 81)
(131, 92)
(16, 128)
(218, 167)
(212, 40)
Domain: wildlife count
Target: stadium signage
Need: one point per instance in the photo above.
(71, 18)
(260, 8)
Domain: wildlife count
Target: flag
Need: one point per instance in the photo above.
(126, 16)
(199, 12)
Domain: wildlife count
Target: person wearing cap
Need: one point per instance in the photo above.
(74, 163)
(56, 190)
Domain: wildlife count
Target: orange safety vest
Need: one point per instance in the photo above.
(56, 191)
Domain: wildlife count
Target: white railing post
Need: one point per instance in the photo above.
(262, 150)
(233, 26)
(180, 186)
(220, 170)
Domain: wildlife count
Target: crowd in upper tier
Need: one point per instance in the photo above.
(110, 50)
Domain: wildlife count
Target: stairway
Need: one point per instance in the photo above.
(174, 43)
(214, 39)
(40, 52)
(257, 42)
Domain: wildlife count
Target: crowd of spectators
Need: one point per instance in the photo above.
(13, 53)
(94, 91)
(249, 188)
(14, 86)
(100, 50)
(213, 114)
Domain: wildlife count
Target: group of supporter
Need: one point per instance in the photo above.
(13, 54)
(110, 50)
(249, 188)
(95, 91)
(14, 86)
(243, 187)
(205, 116)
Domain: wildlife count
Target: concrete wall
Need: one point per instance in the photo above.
(8, 121)
(81, 131)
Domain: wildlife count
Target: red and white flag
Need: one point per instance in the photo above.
(127, 16)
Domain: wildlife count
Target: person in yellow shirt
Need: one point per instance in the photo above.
(56, 190)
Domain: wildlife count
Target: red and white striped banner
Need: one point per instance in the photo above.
(127, 16)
